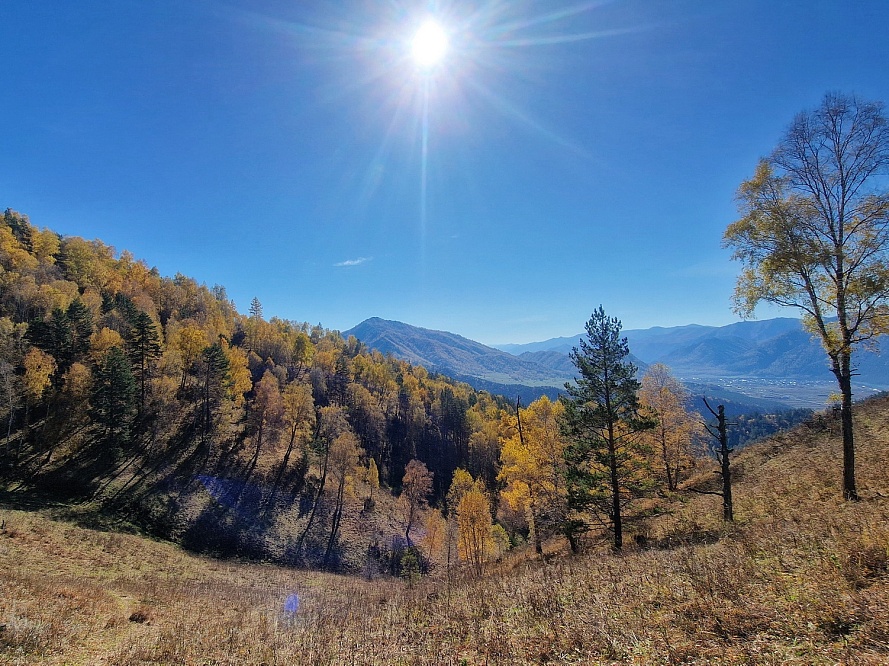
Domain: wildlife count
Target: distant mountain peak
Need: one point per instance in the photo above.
(453, 354)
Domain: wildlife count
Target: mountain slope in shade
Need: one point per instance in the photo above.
(455, 355)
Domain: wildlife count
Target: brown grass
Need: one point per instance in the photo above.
(801, 578)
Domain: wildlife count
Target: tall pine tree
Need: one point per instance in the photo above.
(143, 347)
(606, 465)
(114, 396)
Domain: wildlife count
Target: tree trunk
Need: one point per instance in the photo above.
(845, 380)
(535, 529)
(335, 521)
(615, 492)
(302, 537)
(727, 505)
(412, 509)
(572, 541)
(282, 468)
(671, 484)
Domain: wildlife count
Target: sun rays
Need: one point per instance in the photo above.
(446, 73)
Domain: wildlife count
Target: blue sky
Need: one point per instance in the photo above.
(575, 153)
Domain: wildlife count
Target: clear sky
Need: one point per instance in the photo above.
(563, 154)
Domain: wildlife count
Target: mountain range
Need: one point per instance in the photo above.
(771, 359)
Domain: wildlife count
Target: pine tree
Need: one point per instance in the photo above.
(114, 396)
(80, 322)
(143, 347)
(214, 380)
(606, 460)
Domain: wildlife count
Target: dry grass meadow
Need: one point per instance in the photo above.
(800, 578)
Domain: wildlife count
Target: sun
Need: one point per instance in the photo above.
(429, 45)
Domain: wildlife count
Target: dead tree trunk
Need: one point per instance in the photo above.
(720, 432)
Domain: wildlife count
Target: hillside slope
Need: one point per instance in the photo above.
(483, 367)
(801, 578)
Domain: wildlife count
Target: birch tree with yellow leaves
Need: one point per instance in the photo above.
(814, 235)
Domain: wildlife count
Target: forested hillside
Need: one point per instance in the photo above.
(150, 402)
(152, 399)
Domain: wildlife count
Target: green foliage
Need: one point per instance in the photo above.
(114, 397)
(214, 383)
(606, 460)
(143, 349)
(409, 566)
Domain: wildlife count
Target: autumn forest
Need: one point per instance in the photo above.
(152, 401)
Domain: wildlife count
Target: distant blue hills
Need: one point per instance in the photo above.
(748, 354)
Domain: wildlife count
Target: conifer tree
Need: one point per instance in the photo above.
(214, 376)
(80, 321)
(143, 347)
(114, 396)
(606, 465)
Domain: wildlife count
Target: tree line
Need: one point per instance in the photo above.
(157, 399)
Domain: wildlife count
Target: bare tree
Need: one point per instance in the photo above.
(720, 432)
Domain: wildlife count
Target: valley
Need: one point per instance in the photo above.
(770, 364)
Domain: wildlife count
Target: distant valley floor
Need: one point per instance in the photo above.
(789, 392)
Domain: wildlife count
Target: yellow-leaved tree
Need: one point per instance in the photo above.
(677, 431)
(101, 341)
(39, 369)
(532, 465)
(814, 235)
(475, 542)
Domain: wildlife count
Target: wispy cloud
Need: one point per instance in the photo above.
(353, 262)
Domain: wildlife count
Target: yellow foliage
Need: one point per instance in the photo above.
(39, 368)
(103, 340)
(89, 264)
(461, 483)
(677, 431)
(56, 294)
(475, 543)
(77, 383)
(92, 299)
(372, 476)
(13, 256)
(190, 341)
(239, 373)
(45, 245)
(532, 463)
(436, 534)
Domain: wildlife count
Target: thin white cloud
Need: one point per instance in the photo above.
(353, 262)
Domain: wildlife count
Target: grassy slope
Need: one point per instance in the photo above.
(801, 578)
